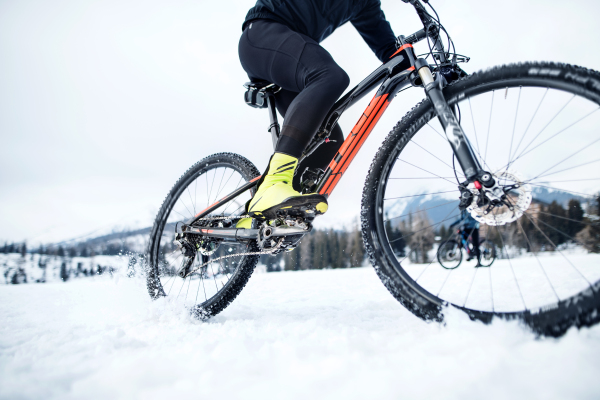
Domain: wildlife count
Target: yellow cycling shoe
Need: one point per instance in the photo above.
(276, 198)
(244, 223)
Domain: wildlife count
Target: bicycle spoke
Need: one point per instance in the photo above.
(193, 205)
(474, 129)
(563, 190)
(487, 140)
(565, 218)
(563, 233)
(544, 128)
(531, 121)
(212, 184)
(433, 155)
(513, 131)
(429, 172)
(202, 280)
(420, 195)
(420, 230)
(570, 168)
(182, 285)
(570, 180)
(236, 187)
(427, 267)
(421, 178)
(419, 211)
(566, 158)
(511, 267)
(443, 283)
(226, 182)
(537, 259)
(556, 247)
(197, 291)
(214, 276)
(188, 289)
(470, 286)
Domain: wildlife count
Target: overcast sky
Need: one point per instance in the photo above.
(105, 103)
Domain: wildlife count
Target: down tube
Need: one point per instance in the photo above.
(354, 142)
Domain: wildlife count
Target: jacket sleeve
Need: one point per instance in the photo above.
(370, 22)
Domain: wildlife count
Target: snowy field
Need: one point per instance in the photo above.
(330, 334)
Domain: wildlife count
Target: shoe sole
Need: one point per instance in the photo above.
(305, 207)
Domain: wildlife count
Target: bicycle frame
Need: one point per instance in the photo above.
(403, 69)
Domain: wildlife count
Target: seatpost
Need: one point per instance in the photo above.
(274, 127)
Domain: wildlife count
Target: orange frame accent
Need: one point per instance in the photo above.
(354, 142)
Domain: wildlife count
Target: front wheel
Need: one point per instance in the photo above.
(536, 128)
(216, 270)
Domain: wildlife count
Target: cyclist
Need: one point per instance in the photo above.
(469, 228)
(280, 44)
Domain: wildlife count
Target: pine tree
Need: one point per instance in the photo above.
(553, 224)
(575, 214)
(422, 238)
(64, 273)
(357, 253)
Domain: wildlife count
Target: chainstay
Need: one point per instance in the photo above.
(218, 218)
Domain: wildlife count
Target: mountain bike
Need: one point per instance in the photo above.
(450, 252)
(500, 143)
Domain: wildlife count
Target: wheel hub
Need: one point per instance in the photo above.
(502, 204)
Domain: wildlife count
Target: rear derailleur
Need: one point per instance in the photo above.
(190, 246)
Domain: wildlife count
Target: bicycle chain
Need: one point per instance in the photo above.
(250, 253)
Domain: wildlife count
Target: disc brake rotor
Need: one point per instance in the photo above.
(518, 195)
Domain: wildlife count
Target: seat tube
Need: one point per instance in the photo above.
(454, 133)
(274, 127)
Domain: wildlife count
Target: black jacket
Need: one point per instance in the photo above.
(319, 18)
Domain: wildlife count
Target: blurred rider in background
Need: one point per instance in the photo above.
(469, 228)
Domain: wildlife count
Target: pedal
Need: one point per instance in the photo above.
(304, 207)
(268, 240)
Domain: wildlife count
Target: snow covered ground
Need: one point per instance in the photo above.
(330, 334)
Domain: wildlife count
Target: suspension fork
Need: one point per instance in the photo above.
(456, 137)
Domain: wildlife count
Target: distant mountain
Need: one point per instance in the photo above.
(440, 207)
(547, 196)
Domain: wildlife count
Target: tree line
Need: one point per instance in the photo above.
(321, 249)
(76, 250)
(543, 228)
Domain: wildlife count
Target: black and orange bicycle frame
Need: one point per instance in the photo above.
(403, 69)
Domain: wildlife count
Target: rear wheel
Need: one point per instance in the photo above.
(449, 254)
(211, 281)
(536, 127)
(487, 252)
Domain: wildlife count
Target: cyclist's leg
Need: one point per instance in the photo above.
(475, 240)
(321, 157)
(271, 51)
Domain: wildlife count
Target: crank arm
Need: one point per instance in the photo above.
(454, 132)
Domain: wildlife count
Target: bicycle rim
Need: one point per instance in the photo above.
(208, 288)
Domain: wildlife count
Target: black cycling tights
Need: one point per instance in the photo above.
(311, 83)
